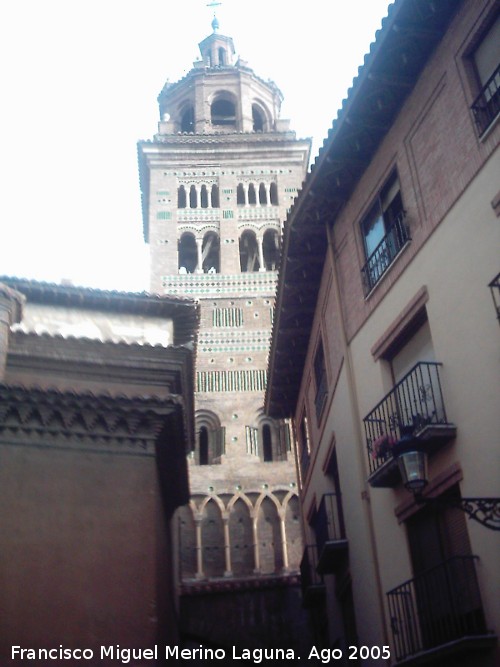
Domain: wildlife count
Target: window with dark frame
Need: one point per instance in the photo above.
(384, 232)
(304, 447)
(321, 380)
(485, 59)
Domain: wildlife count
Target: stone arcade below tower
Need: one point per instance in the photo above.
(217, 182)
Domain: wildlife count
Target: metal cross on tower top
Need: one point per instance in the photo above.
(215, 22)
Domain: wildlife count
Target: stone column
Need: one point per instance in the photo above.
(260, 242)
(199, 250)
(199, 550)
(227, 548)
(256, 546)
(11, 310)
(283, 543)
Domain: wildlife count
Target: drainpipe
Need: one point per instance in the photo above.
(353, 396)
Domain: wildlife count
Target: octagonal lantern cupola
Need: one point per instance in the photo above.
(220, 95)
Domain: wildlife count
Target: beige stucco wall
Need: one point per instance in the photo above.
(456, 265)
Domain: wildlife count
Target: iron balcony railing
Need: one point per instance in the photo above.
(415, 402)
(487, 104)
(384, 254)
(329, 523)
(440, 606)
(321, 396)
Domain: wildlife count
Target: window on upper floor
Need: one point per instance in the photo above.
(485, 60)
(304, 447)
(210, 445)
(320, 379)
(267, 443)
(384, 232)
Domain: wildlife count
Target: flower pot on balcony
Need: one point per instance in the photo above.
(382, 445)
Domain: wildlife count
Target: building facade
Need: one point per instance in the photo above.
(396, 341)
(96, 414)
(217, 181)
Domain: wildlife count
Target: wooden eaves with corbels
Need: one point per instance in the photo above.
(402, 47)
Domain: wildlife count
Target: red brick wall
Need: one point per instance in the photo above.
(435, 147)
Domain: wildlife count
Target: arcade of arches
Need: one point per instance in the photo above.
(257, 252)
(240, 535)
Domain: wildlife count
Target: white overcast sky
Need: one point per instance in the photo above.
(79, 82)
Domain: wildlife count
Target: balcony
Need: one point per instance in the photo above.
(415, 406)
(487, 104)
(330, 534)
(438, 612)
(313, 588)
(382, 257)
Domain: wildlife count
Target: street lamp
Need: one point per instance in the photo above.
(411, 456)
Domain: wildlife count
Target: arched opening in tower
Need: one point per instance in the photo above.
(204, 196)
(262, 194)
(252, 195)
(249, 252)
(204, 458)
(187, 119)
(240, 195)
(223, 113)
(211, 253)
(271, 249)
(188, 256)
(193, 197)
(222, 56)
(181, 197)
(273, 193)
(215, 196)
(267, 443)
(258, 119)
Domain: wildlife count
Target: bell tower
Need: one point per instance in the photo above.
(217, 181)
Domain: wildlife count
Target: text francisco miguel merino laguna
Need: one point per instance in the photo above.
(126, 655)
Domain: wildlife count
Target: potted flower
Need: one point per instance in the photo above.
(382, 445)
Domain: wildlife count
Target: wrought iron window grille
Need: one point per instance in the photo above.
(397, 236)
(486, 106)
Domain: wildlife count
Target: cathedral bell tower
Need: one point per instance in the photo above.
(217, 181)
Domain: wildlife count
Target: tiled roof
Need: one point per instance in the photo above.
(403, 45)
(184, 311)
